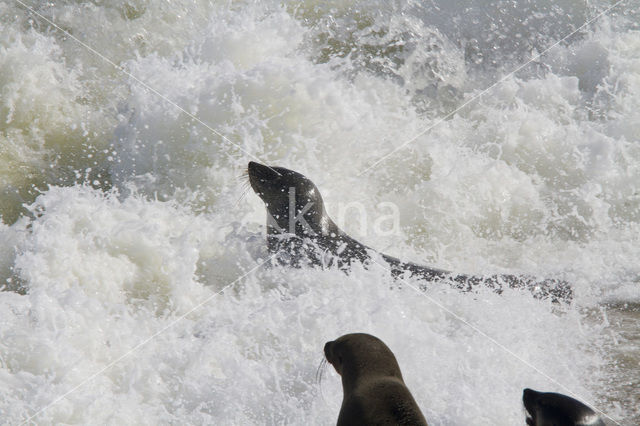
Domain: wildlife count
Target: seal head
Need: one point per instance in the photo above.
(298, 226)
(374, 391)
(293, 202)
(555, 409)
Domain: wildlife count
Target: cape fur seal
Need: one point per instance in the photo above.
(555, 409)
(301, 231)
(374, 392)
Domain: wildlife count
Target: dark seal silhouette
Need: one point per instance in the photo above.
(301, 232)
(374, 392)
(555, 409)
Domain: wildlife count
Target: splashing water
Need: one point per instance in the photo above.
(122, 211)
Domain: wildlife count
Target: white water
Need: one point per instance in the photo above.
(121, 214)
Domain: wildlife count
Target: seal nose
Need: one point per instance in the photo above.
(528, 395)
(327, 351)
(260, 171)
(528, 399)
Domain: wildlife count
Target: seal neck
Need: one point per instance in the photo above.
(355, 372)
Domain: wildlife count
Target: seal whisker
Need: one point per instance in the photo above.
(319, 374)
(245, 191)
(243, 177)
(320, 370)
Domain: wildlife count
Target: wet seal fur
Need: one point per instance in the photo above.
(301, 232)
(549, 409)
(374, 392)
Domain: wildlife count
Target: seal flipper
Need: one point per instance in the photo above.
(557, 290)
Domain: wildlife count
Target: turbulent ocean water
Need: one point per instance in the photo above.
(131, 249)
